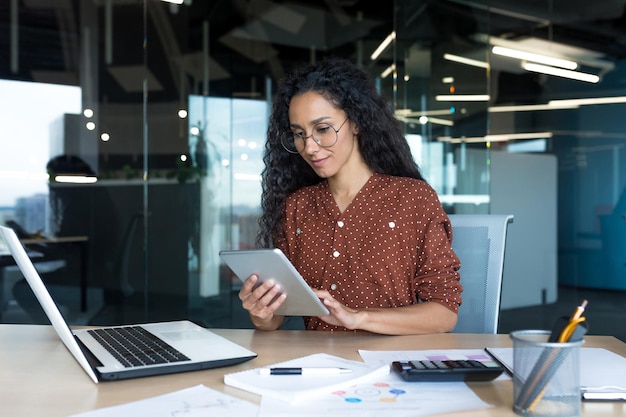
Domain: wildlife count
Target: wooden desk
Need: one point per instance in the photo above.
(39, 377)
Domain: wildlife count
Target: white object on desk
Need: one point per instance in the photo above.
(295, 388)
(388, 395)
(194, 401)
(601, 371)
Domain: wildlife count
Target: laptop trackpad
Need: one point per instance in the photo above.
(183, 335)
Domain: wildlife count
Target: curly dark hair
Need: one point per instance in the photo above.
(381, 139)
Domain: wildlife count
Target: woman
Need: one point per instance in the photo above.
(346, 203)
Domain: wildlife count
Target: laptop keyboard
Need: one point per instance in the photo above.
(135, 346)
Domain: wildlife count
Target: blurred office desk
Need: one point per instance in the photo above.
(81, 243)
(39, 377)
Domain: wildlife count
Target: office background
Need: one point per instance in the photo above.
(166, 107)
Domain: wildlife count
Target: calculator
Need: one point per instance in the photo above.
(447, 370)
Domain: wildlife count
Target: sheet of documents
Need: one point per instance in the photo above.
(388, 395)
(296, 388)
(385, 396)
(195, 401)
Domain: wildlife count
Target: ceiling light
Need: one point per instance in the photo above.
(383, 45)
(496, 138)
(411, 113)
(462, 97)
(466, 61)
(425, 119)
(560, 72)
(388, 71)
(531, 107)
(529, 56)
(558, 52)
(588, 101)
(438, 121)
(76, 179)
(173, 1)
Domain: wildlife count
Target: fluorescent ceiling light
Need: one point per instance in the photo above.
(388, 71)
(411, 113)
(466, 61)
(560, 72)
(496, 138)
(462, 97)
(173, 1)
(438, 121)
(425, 119)
(529, 56)
(531, 107)
(383, 45)
(588, 101)
(539, 47)
(76, 179)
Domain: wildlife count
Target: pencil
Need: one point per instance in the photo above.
(579, 310)
(574, 320)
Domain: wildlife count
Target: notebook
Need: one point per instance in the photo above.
(184, 346)
(296, 388)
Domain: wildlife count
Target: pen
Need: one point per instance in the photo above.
(304, 371)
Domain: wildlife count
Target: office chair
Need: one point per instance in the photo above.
(479, 242)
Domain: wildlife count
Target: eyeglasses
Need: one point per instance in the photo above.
(323, 134)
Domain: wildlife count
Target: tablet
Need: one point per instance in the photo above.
(273, 264)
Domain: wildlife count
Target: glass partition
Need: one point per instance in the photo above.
(165, 107)
(437, 74)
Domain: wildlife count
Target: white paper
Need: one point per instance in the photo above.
(196, 401)
(389, 395)
(295, 388)
(599, 368)
(385, 396)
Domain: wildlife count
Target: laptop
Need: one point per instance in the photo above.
(181, 345)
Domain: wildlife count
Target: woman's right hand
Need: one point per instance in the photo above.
(261, 302)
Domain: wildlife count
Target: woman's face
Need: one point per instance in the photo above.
(307, 112)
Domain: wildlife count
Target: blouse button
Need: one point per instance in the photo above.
(333, 287)
(340, 223)
(336, 253)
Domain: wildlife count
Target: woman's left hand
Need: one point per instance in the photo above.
(340, 315)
